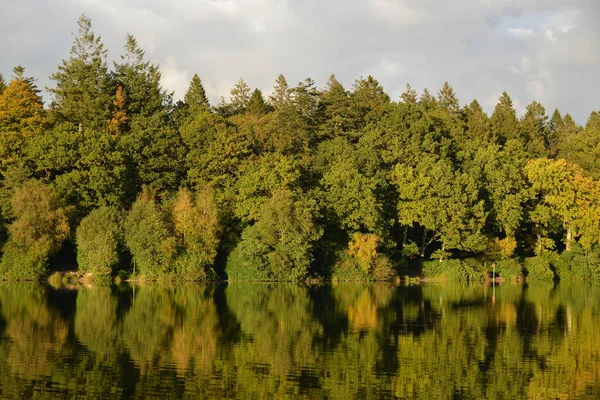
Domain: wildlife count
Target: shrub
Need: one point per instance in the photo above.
(452, 271)
(100, 241)
(509, 269)
(538, 268)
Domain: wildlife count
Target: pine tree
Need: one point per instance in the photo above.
(82, 94)
(2, 84)
(240, 96)
(196, 95)
(593, 121)
(256, 104)
(367, 99)
(447, 99)
(21, 107)
(281, 93)
(504, 120)
(427, 101)
(534, 129)
(336, 101)
(141, 81)
(409, 96)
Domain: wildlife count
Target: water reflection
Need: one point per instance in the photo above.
(431, 341)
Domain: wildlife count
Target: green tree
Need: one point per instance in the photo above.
(39, 228)
(82, 94)
(256, 104)
(504, 120)
(240, 97)
(196, 225)
(196, 95)
(534, 130)
(281, 93)
(279, 245)
(148, 237)
(100, 241)
(447, 99)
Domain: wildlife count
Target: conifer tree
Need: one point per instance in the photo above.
(21, 107)
(533, 129)
(281, 93)
(336, 102)
(240, 97)
(504, 120)
(196, 95)
(427, 101)
(2, 84)
(447, 99)
(256, 104)
(409, 96)
(593, 120)
(141, 82)
(81, 94)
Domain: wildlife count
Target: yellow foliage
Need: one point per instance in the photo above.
(363, 246)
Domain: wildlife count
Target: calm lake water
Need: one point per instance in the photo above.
(253, 341)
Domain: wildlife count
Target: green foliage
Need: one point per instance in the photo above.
(451, 271)
(280, 243)
(100, 240)
(577, 264)
(539, 268)
(510, 270)
(37, 232)
(148, 238)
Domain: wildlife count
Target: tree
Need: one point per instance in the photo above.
(82, 92)
(21, 115)
(256, 104)
(196, 225)
(281, 93)
(533, 129)
(368, 99)
(40, 226)
(100, 241)
(336, 103)
(240, 97)
(148, 238)
(504, 120)
(2, 84)
(427, 101)
(279, 245)
(447, 99)
(196, 95)
(409, 96)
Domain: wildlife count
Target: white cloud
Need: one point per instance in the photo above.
(527, 47)
(520, 31)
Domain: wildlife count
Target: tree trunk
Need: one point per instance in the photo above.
(405, 237)
(424, 243)
(568, 239)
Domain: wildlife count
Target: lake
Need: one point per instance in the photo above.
(339, 341)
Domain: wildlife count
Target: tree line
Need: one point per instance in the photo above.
(306, 182)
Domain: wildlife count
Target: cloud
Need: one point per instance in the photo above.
(536, 50)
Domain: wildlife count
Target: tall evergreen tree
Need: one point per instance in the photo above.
(141, 82)
(2, 84)
(427, 101)
(336, 101)
(82, 95)
(409, 96)
(196, 95)
(504, 120)
(447, 99)
(256, 104)
(281, 93)
(534, 129)
(240, 97)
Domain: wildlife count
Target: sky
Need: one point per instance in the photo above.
(543, 50)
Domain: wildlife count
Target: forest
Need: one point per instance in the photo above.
(301, 183)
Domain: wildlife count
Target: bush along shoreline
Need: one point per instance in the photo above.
(113, 178)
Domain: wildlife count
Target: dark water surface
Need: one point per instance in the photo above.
(253, 341)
